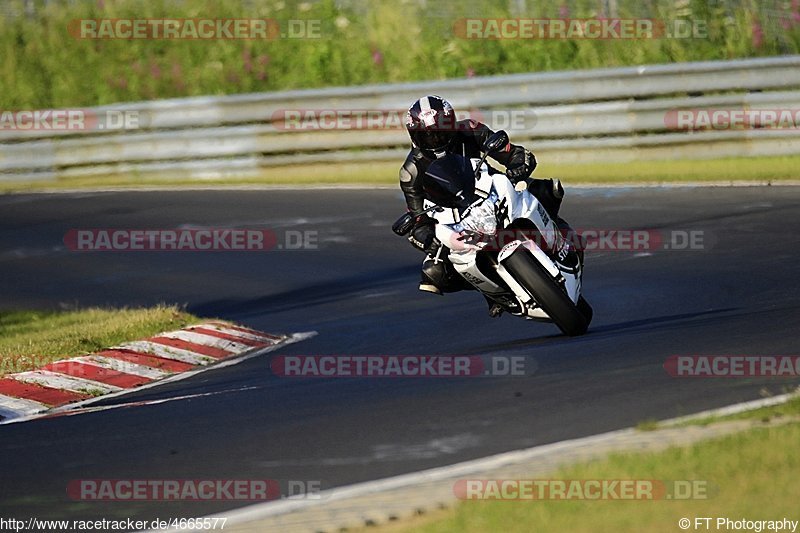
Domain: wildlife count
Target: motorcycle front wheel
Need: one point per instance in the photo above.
(548, 294)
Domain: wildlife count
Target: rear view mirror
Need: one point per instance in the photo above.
(495, 141)
(403, 225)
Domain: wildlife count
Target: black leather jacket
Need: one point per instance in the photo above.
(470, 136)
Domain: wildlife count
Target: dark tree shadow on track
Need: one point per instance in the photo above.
(604, 330)
(719, 217)
(310, 295)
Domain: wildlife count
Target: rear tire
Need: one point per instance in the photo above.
(555, 302)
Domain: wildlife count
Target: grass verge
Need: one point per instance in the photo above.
(45, 57)
(730, 170)
(30, 339)
(677, 171)
(750, 475)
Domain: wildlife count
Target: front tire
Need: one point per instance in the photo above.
(585, 309)
(555, 302)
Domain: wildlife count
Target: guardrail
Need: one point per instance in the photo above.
(582, 116)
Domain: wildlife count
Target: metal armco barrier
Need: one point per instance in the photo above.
(617, 114)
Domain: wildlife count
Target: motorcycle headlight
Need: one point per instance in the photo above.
(481, 218)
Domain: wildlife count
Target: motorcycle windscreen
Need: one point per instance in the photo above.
(450, 182)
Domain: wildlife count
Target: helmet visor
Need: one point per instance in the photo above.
(433, 139)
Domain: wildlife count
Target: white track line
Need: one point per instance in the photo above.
(733, 409)
(259, 511)
(144, 403)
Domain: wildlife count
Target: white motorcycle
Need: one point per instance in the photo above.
(503, 242)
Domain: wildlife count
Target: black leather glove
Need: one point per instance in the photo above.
(423, 236)
(522, 171)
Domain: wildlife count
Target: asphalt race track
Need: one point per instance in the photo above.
(739, 294)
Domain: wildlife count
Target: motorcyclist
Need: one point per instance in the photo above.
(435, 131)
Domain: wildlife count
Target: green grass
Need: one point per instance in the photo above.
(30, 339)
(679, 171)
(750, 475)
(727, 169)
(647, 425)
(43, 66)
